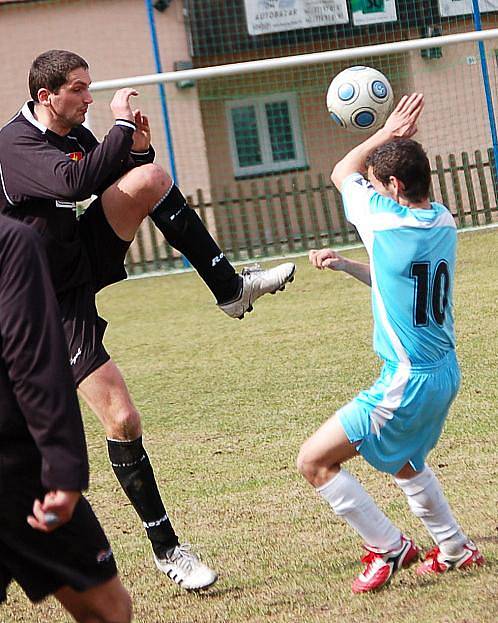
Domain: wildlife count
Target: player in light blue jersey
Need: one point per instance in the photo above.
(411, 244)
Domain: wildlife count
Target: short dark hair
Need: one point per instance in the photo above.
(51, 69)
(405, 159)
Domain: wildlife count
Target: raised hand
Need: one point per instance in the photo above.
(120, 104)
(141, 136)
(402, 122)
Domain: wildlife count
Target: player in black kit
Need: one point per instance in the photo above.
(48, 162)
(50, 540)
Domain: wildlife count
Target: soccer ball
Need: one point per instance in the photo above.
(360, 99)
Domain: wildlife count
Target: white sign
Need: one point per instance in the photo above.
(265, 16)
(448, 8)
(373, 11)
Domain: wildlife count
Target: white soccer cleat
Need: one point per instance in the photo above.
(184, 568)
(255, 283)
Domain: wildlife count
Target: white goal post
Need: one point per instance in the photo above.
(297, 60)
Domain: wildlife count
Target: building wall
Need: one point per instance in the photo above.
(325, 142)
(113, 36)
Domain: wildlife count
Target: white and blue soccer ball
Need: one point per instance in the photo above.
(360, 99)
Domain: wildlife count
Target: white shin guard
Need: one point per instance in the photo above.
(349, 500)
(426, 501)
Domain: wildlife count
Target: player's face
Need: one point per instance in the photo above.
(71, 103)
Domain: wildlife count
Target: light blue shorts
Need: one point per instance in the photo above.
(400, 418)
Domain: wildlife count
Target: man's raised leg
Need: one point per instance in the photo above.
(149, 191)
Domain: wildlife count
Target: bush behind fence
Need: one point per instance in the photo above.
(277, 216)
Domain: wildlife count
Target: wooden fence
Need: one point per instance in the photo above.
(279, 216)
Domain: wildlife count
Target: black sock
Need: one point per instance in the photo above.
(134, 472)
(185, 232)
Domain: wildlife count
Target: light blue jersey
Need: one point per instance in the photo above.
(412, 263)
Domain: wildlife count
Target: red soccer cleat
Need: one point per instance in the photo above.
(436, 562)
(381, 566)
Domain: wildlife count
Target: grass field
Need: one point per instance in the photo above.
(226, 405)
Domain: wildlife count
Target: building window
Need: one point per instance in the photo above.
(265, 135)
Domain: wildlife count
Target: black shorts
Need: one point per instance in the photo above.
(77, 554)
(83, 327)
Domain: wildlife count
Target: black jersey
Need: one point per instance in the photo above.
(40, 421)
(44, 175)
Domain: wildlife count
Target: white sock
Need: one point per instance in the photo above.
(349, 500)
(426, 500)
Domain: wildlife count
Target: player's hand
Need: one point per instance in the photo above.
(402, 122)
(120, 104)
(141, 136)
(327, 258)
(56, 509)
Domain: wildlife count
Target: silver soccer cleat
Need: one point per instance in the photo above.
(184, 568)
(255, 283)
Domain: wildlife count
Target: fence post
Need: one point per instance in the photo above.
(326, 207)
(492, 166)
(245, 222)
(299, 213)
(232, 227)
(286, 215)
(277, 247)
(484, 188)
(155, 246)
(470, 188)
(442, 181)
(311, 206)
(259, 219)
(457, 190)
(139, 239)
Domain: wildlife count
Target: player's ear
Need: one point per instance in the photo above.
(44, 96)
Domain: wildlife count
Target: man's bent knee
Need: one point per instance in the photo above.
(152, 177)
(150, 182)
(306, 464)
(123, 424)
(316, 468)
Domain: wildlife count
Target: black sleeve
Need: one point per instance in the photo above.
(35, 355)
(146, 157)
(34, 168)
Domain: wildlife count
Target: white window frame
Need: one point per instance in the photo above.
(268, 165)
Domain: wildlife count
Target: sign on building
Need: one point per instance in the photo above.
(266, 16)
(373, 11)
(448, 8)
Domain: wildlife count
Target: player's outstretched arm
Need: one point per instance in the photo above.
(328, 258)
(401, 123)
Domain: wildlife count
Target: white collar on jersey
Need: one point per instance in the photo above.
(28, 115)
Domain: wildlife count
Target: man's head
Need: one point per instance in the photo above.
(59, 84)
(51, 70)
(401, 166)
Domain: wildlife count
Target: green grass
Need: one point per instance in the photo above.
(226, 405)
